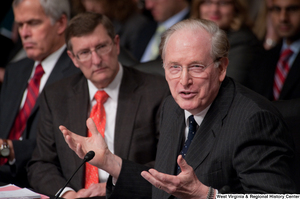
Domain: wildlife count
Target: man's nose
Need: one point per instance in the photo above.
(283, 15)
(24, 31)
(185, 78)
(96, 59)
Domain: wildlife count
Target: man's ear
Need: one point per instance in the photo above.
(73, 58)
(222, 68)
(117, 43)
(62, 24)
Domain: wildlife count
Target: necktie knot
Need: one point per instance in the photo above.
(286, 54)
(101, 97)
(39, 72)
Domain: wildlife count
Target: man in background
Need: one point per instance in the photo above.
(165, 14)
(41, 26)
(277, 77)
(123, 102)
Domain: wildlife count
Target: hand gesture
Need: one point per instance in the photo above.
(103, 159)
(184, 185)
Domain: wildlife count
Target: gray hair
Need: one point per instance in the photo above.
(52, 8)
(219, 41)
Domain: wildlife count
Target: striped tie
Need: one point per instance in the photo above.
(32, 95)
(23, 115)
(99, 117)
(281, 72)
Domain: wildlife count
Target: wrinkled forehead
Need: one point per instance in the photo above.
(188, 42)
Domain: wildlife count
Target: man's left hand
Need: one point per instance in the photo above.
(184, 185)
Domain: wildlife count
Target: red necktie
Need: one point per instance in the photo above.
(23, 115)
(99, 117)
(281, 72)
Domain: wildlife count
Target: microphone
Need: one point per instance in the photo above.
(90, 155)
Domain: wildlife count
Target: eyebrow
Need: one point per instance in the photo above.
(191, 63)
(101, 43)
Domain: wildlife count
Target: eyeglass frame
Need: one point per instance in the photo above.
(217, 60)
(95, 49)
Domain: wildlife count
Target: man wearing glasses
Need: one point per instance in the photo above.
(214, 133)
(123, 102)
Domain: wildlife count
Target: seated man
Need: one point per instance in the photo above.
(126, 111)
(41, 26)
(214, 133)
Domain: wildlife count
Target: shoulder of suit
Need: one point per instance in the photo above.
(66, 82)
(21, 63)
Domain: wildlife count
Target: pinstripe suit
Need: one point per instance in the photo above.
(242, 142)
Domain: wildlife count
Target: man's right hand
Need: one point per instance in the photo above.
(103, 159)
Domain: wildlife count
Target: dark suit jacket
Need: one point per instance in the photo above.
(67, 103)
(144, 37)
(242, 143)
(262, 76)
(14, 85)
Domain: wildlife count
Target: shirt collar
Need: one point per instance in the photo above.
(198, 117)
(295, 46)
(50, 61)
(112, 89)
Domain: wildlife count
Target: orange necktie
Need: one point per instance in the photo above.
(99, 117)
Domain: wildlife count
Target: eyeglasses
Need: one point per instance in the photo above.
(101, 50)
(195, 70)
(218, 3)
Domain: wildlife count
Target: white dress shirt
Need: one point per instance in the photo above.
(110, 107)
(198, 118)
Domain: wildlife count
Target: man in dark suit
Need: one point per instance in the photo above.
(131, 110)
(43, 40)
(215, 133)
(165, 14)
(271, 78)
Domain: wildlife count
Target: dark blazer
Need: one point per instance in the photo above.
(242, 143)
(262, 76)
(14, 85)
(67, 103)
(144, 37)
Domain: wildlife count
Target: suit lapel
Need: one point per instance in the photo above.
(62, 64)
(78, 106)
(21, 77)
(211, 126)
(170, 143)
(57, 73)
(128, 103)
